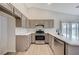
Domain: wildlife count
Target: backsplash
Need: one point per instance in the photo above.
(20, 30)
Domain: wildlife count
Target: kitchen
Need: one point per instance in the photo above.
(34, 29)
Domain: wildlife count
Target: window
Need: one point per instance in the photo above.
(70, 30)
(74, 33)
(65, 29)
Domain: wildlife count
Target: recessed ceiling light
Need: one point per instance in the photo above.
(77, 6)
(49, 3)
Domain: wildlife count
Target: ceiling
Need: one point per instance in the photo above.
(68, 8)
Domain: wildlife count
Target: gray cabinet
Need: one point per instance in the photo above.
(50, 40)
(33, 38)
(72, 50)
(18, 22)
(51, 23)
(0, 34)
(46, 38)
(11, 34)
(56, 45)
(32, 24)
(29, 41)
(24, 21)
(17, 12)
(8, 6)
(22, 42)
(3, 34)
(46, 23)
(7, 33)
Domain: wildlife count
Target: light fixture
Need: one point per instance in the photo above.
(77, 6)
(49, 3)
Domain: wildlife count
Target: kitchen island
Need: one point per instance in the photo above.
(69, 47)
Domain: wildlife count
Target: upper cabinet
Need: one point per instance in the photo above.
(46, 23)
(21, 20)
(18, 22)
(17, 12)
(24, 21)
(8, 6)
(50, 23)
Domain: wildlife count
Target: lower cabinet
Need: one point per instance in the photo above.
(22, 42)
(56, 45)
(50, 40)
(46, 38)
(28, 41)
(33, 38)
(72, 50)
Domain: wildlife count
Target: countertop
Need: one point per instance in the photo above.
(62, 38)
(23, 31)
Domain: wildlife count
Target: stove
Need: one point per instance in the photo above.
(40, 35)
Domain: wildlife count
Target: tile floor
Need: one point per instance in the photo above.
(36, 49)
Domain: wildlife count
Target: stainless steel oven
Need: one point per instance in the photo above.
(40, 35)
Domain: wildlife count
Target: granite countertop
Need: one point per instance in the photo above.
(68, 41)
(22, 31)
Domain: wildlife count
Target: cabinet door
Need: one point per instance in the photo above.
(17, 12)
(28, 40)
(50, 40)
(50, 23)
(8, 6)
(28, 23)
(58, 47)
(0, 34)
(46, 23)
(21, 43)
(18, 23)
(7, 28)
(3, 33)
(52, 43)
(24, 21)
(33, 38)
(11, 34)
(46, 38)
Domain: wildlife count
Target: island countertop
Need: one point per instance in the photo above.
(60, 37)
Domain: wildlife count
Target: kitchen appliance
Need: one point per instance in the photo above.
(40, 35)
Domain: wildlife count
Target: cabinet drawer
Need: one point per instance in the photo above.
(8, 6)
